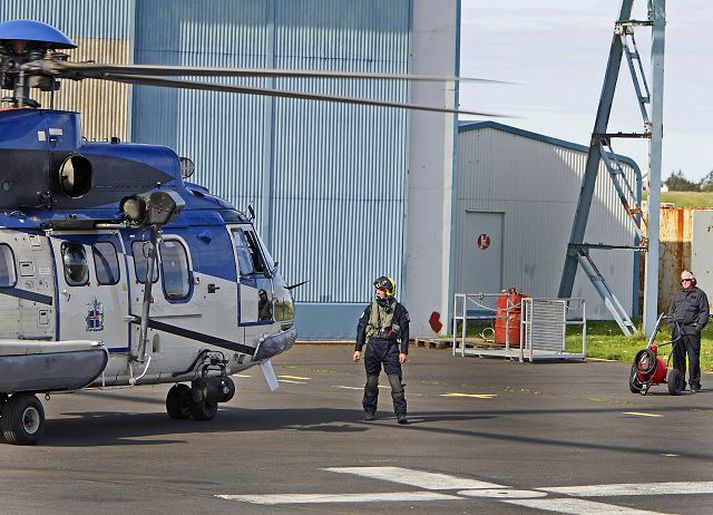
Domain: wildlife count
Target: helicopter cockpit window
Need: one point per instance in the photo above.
(8, 276)
(174, 265)
(140, 249)
(249, 258)
(76, 268)
(106, 262)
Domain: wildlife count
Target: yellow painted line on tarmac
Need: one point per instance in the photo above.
(640, 414)
(295, 378)
(470, 395)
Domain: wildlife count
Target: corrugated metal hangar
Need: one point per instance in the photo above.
(517, 191)
(329, 182)
(344, 193)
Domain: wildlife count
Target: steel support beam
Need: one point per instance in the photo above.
(657, 14)
(590, 174)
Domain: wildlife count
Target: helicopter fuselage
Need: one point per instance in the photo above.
(72, 267)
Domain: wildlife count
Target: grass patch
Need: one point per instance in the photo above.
(605, 341)
(688, 198)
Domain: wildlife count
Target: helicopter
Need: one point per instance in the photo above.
(115, 269)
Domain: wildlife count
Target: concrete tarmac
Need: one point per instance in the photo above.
(485, 436)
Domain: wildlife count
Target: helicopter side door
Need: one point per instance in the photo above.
(177, 311)
(255, 292)
(92, 288)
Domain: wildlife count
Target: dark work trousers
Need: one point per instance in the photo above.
(384, 352)
(689, 344)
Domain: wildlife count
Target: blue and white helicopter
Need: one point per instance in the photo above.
(115, 270)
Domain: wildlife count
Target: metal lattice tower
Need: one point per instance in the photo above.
(600, 149)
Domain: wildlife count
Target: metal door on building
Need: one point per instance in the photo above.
(481, 252)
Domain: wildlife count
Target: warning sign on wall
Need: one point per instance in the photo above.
(483, 241)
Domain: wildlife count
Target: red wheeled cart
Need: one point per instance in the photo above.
(650, 369)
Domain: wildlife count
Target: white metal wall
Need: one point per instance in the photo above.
(426, 289)
(535, 182)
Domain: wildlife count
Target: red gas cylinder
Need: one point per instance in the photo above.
(660, 374)
(650, 366)
(508, 312)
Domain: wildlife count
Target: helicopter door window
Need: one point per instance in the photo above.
(106, 262)
(76, 268)
(249, 258)
(8, 275)
(255, 255)
(174, 266)
(245, 262)
(140, 249)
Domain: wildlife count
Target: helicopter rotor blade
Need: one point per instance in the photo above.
(267, 92)
(97, 70)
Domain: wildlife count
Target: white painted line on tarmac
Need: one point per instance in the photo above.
(296, 378)
(503, 493)
(642, 414)
(577, 507)
(427, 480)
(624, 489)
(471, 395)
(341, 498)
(669, 455)
(245, 376)
(290, 381)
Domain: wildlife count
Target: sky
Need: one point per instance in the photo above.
(556, 51)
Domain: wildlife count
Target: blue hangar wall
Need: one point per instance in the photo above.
(328, 181)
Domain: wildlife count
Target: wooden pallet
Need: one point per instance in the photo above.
(432, 343)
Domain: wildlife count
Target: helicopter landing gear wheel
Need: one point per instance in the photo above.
(178, 402)
(204, 410)
(23, 419)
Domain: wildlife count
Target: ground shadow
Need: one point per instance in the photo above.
(109, 428)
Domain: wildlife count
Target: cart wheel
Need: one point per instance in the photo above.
(675, 382)
(634, 384)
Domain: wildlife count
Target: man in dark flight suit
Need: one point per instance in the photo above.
(689, 311)
(383, 324)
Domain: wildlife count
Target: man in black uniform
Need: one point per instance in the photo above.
(689, 311)
(382, 325)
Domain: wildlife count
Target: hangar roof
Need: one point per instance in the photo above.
(466, 126)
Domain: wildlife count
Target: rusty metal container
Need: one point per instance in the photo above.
(508, 313)
(675, 251)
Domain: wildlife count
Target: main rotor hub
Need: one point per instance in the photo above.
(35, 34)
(24, 41)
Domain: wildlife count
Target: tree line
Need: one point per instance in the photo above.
(678, 182)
